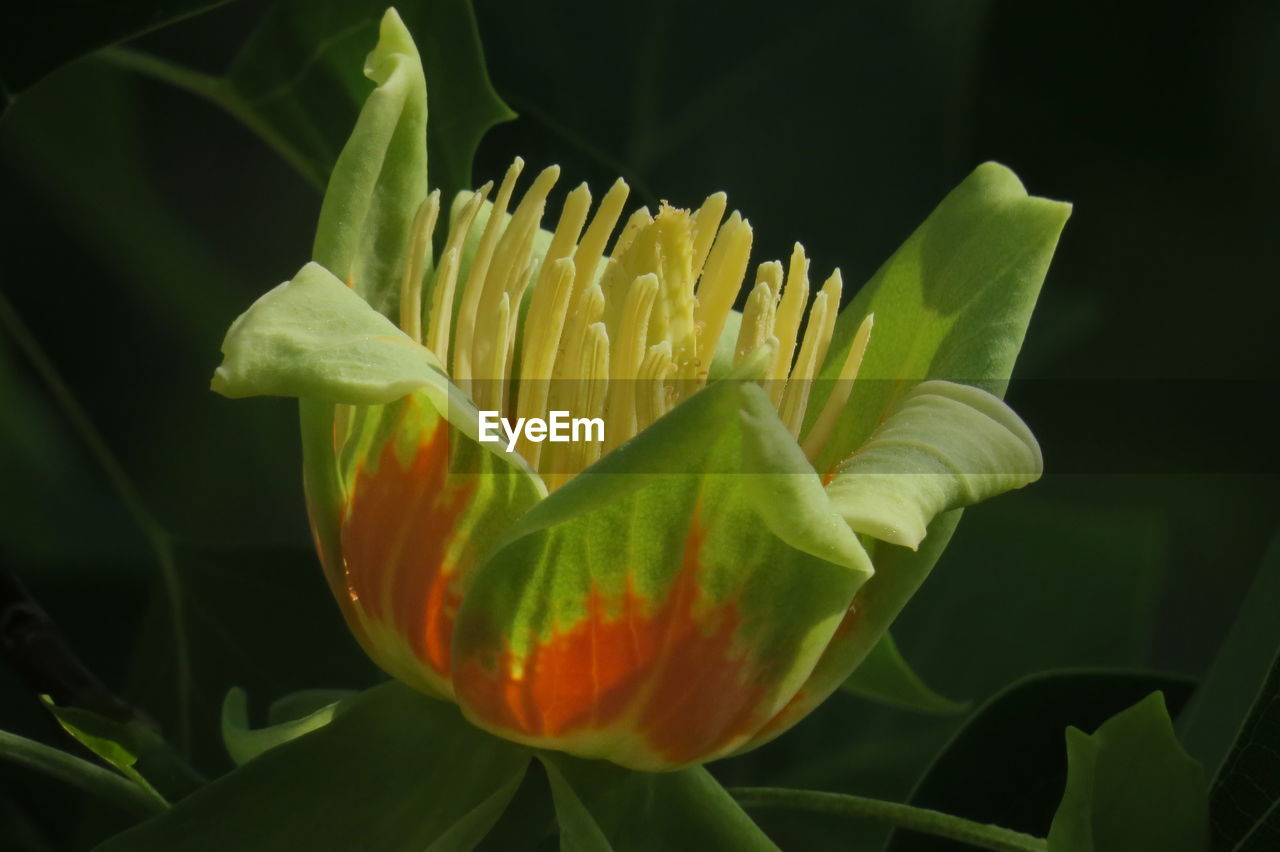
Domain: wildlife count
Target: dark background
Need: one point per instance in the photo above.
(138, 221)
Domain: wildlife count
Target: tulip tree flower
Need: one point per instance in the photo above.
(768, 488)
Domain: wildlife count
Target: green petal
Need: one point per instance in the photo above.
(664, 604)
(953, 302)
(945, 447)
(315, 338)
(381, 175)
(899, 573)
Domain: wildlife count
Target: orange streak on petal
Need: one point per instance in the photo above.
(670, 675)
(396, 536)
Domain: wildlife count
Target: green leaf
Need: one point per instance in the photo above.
(603, 808)
(953, 302)
(88, 729)
(298, 80)
(1131, 786)
(259, 617)
(737, 570)
(244, 743)
(93, 779)
(30, 52)
(946, 446)
(304, 702)
(886, 677)
(1213, 720)
(137, 750)
(396, 771)
(1246, 795)
(1015, 738)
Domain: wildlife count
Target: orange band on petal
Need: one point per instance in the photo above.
(668, 677)
(396, 536)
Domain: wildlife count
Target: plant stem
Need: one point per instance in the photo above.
(217, 91)
(87, 776)
(157, 536)
(923, 820)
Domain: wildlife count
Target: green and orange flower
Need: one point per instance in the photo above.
(771, 486)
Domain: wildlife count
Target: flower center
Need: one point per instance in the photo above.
(623, 336)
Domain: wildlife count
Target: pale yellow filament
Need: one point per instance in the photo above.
(424, 224)
(834, 407)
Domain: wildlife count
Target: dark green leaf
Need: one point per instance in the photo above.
(397, 771)
(885, 676)
(136, 749)
(1039, 582)
(262, 619)
(1007, 765)
(36, 38)
(1213, 718)
(244, 743)
(604, 808)
(89, 777)
(304, 702)
(1131, 786)
(1246, 795)
(300, 79)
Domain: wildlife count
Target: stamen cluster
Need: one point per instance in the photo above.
(624, 336)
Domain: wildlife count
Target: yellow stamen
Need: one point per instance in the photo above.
(475, 278)
(442, 296)
(587, 257)
(796, 396)
(626, 355)
(489, 393)
(833, 287)
(623, 337)
(834, 407)
(706, 223)
(757, 322)
(651, 389)
(541, 343)
(507, 275)
(787, 323)
(721, 280)
(424, 223)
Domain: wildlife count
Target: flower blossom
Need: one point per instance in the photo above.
(686, 586)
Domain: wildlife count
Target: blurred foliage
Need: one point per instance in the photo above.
(139, 220)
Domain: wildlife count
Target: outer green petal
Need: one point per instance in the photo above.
(953, 302)
(404, 501)
(419, 506)
(381, 175)
(314, 337)
(946, 446)
(666, 603)
(899, 573)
